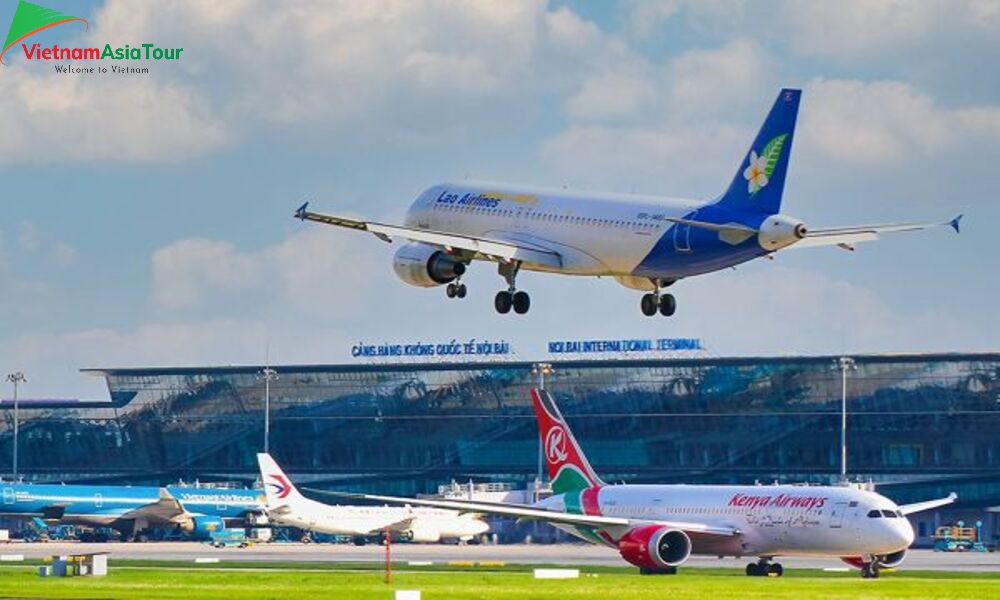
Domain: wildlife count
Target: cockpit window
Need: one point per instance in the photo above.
(874, 514)
(891, 514)
(900, 513)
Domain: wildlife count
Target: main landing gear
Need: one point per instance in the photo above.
(765, 568)
(511, 298)
(655, 302)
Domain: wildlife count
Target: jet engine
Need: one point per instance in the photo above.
(424, 265)
(423, 535)
(204, 526)
(655, 547)
(888, 561)
(779, 231)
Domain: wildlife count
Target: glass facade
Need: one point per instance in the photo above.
(406, 428)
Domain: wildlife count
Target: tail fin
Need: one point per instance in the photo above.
(760, 180)
(568, 467)
(277, 486)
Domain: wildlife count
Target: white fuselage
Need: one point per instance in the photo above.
(595, 234)
(773, 520)
(421, 524)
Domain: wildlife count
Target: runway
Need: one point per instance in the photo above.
(561, 554)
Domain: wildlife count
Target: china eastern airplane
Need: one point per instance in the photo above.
(287, 506)
(657, 527)
(646, 243)
(133, 510)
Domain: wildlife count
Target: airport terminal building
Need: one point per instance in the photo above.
(919, 425)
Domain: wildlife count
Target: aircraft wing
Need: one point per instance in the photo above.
(909, 509)
(167, 508)
(489, 248)
(846, 237)
(522, 511)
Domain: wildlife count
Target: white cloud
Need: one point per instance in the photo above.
(27, 236)
(721, 78)
(644, 17)
(313, 271)
(884, 122)
(64, 254)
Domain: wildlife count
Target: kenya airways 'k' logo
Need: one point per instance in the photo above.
(282, 487)
(555, 445)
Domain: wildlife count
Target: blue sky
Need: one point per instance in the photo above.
(147, 218)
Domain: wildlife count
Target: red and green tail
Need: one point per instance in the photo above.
(568, 467)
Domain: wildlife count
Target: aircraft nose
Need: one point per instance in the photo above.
(905, 532)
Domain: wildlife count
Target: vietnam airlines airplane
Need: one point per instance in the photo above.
(287, 506)
(646, 243)
(657, 527)
(203, 512)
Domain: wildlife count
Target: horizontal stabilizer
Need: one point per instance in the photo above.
(846, 237)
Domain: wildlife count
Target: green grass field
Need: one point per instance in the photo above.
(255, 581)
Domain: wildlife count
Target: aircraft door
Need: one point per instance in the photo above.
(837, 515)
(682, 235)
(8, 495)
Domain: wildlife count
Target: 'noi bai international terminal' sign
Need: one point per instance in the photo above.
(474, 348)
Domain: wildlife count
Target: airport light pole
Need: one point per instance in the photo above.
(269, 375)
(541, 369)
(17, 378)
(845, 363)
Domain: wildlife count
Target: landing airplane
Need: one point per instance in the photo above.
(646, 243)
(657, 527)
(132, 511)
(287, 506)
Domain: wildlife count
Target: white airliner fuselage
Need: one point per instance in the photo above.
(286, 506)
(645, 242)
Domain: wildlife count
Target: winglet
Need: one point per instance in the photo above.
(954, 223)
(300, 213)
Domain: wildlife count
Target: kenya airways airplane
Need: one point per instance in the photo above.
(646, 243)
(657, 527)
(286, 506)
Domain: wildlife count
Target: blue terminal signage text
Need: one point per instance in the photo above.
(624, 346)
(471, 347)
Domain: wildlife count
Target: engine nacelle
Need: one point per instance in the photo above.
(779, 231)
(424, 265)
(423, 535)
(203, 526)
(655, 547)
(888, 561)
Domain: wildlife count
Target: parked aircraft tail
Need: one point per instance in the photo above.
(569, 469)
(277, 486)
(760, 180)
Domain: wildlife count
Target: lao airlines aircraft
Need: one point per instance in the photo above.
(657, 527)
(287, 506)
(646, 243)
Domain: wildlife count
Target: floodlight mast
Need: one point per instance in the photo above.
(16, 378)
(845, 363)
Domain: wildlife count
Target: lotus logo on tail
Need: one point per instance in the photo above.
(282, 488)
(555, 445)
(29, 19)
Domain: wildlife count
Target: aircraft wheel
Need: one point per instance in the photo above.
(668, 305)
(522, 302)
(461, 290)
(753, 570)
(503, 301)
(776, 569)
(648, 304)
(869, 571)
(451, 291)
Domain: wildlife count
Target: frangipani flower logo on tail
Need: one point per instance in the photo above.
(759, 171)
(29, 19)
